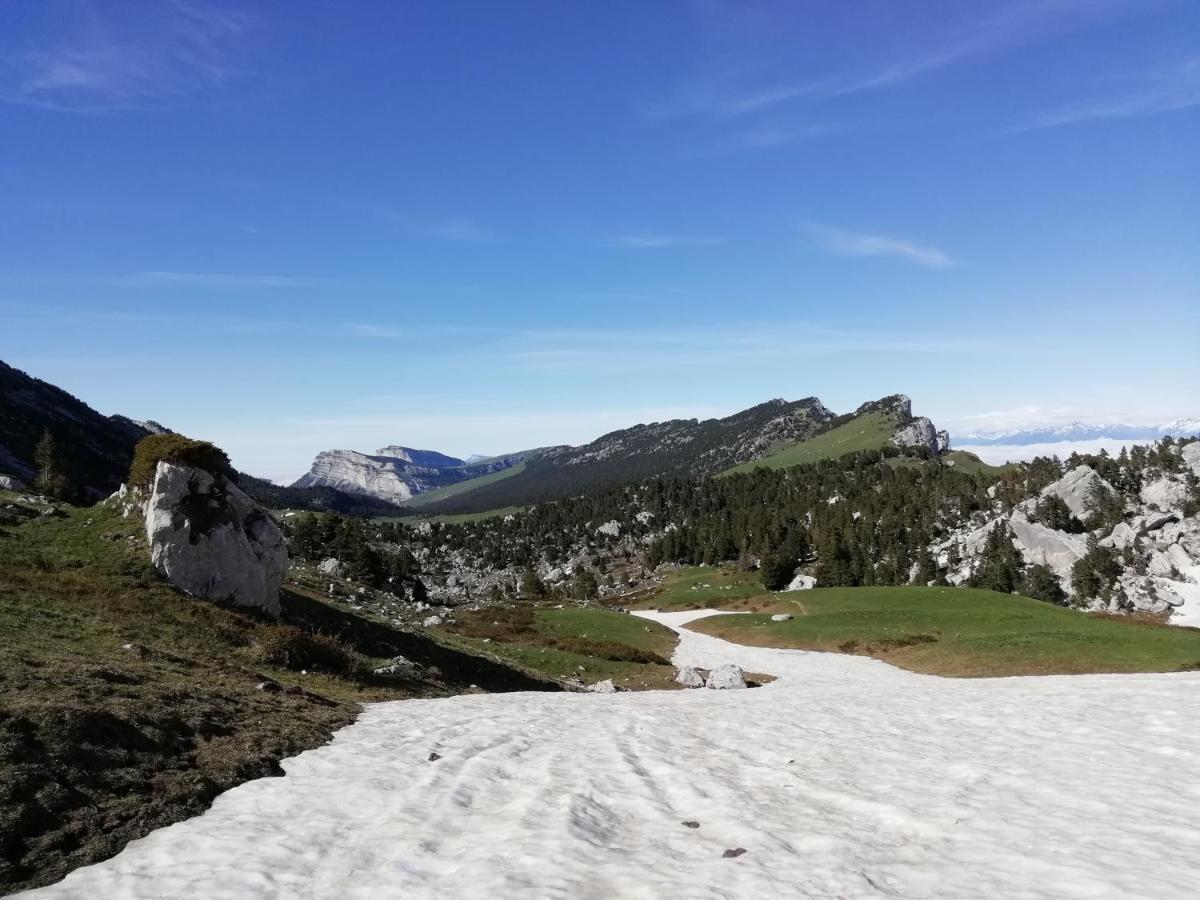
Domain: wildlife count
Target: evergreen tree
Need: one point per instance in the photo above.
(1041, 584)
(52, 477)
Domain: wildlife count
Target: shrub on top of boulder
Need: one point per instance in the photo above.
(180, 450)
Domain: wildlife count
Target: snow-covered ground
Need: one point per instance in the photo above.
(844, 778)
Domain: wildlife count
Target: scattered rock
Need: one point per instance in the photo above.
(782, 617)
(690, 823)
(331, 567)
(603, 687)
(11, 483)
(734, 853)
(726, 678)
(270, 687)
(689, 677)
(434, 756)
(399, 667)
(433, 621)
(802, 583)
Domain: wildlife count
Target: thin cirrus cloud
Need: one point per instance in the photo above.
(723, 91)
(103, 61)
(1161, 91)
(661, 241)
(852, 243)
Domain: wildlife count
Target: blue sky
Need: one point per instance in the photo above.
(483, 226)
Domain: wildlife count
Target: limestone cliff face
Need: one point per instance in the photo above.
(396, 474)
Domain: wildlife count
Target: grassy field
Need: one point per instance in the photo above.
(572, 642)
(125, 706)
(868, 432)
(699, 587)
(463, 487)
(455, 517)
(963, 632)
(972, 464)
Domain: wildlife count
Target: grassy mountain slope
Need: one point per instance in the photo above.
(96, 449)
(871, 431)
(961, 632)
(463, 487)
(680, 446)
(125, 706)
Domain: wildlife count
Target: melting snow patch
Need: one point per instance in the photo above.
(843, 777)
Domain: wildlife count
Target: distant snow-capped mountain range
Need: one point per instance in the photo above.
(1076, 431)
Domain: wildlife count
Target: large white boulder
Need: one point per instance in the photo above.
(332, 567)
(726, 678)
(1076, 489)
(1165, 493)
(1191, 456)
(210, 540)
(689, 677)
(1039, 545)
(801, 583)
(11, 483)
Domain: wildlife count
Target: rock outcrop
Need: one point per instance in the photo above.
(689, 677)
(920, 432)
(1159, 545)
(210, 540)
(396, 474)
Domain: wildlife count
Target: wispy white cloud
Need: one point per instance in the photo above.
(386, 332)
(659, 241)
(767, 137)
(448, 229)
(851, 243)
(734, 85)
(226, 280)
(1161, 91)
(102, 61)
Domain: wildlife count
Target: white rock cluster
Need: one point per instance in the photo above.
(1165, 543)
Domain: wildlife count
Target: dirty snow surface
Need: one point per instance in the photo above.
(844, 778)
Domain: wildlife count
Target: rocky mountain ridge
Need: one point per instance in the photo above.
(96, 449)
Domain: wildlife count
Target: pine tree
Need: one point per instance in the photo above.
(52, 477)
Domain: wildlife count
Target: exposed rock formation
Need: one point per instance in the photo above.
(1159, 545)
(689, 677)
(920, 432)
(396, 474)
(11, 483)
(210, 540)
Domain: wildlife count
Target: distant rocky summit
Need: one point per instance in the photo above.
(396, 474)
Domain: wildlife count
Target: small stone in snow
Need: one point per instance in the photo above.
(734, 853)
(690, 823)
(434, 756)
